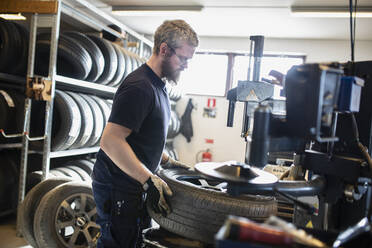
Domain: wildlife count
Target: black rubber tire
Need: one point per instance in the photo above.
(69, 172)
(98, 61)
(105, 112)
(30, 204)
(87, 121)
(103, 106)
(82, 173)
(111, 61)
(66, 121)
(57, 173)
(98, 121)
(56, 206)
(33, 179)
(86, 165)
(10, 46)
(198, 213)
(73, 60)
(120, 69)
(128, 63)
(21, 65)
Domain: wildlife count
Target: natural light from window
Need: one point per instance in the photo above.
(281, 64)
(205, 75)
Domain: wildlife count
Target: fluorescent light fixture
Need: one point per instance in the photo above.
(131, 10)
(14, 17)
(330, 12)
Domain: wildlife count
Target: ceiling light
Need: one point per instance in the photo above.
(18, 16)
(154, 10)
(330, 12)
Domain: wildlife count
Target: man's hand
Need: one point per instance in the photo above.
(172, 163)
(156, 188)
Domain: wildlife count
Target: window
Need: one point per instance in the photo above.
(205, 75)
(207, 72)
(268, 63)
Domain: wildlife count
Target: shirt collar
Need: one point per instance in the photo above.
(156, 80)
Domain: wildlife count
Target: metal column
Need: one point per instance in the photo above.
(52, 21)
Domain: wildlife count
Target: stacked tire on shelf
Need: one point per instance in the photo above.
(13, 48)
(78, 120)
(87, 57)
(174, 122)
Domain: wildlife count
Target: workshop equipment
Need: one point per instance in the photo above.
(315, 97)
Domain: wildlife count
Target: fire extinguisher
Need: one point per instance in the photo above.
(206, 156)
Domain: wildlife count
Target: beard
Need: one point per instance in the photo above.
(168, 72)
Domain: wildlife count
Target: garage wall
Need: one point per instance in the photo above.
(227, 142)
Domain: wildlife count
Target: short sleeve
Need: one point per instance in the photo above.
(131, 105)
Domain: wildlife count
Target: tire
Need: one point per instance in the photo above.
(105, 112)
(120, 69)
(85, 165)
(82, 173)
(33, 179)
(30, 204)
(66, 122)
(72, 59)
(111, 61)
(199, 211)
(98, 61)
(128, 63)
(98, 121)
(65, 205)
(104, 108)
(87, 121)
(70, 173)
(21, 65)
(10, 46)
(57, 173)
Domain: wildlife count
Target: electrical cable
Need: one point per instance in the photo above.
(351, 29)
(362, 148)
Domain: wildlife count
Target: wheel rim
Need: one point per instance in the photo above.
(203, 183)
(75, 221)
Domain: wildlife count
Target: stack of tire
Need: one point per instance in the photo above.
(170, 151)
(76, 170)
(59, 212)
(78, 120)
(174, 125)
(174, 92)
(87, 57)
(13, 47)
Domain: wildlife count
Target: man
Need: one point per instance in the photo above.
(133, 140)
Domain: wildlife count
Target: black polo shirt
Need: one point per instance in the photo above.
(141, 104)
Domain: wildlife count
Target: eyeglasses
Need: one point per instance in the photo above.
(182, 59)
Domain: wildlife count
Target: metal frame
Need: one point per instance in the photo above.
(53, 21)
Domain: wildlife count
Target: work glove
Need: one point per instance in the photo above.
(172, 163)
(157, 190)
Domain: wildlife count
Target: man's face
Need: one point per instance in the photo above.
(176, 61)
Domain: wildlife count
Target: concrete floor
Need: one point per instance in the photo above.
(8, 238)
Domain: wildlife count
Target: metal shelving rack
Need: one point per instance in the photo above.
(48, 14)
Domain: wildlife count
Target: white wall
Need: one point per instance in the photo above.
(227, 142)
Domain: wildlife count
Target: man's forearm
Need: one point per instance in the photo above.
(123, 156)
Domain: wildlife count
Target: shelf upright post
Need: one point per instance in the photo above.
(55, 23)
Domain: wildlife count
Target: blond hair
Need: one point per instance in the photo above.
(173, 33)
